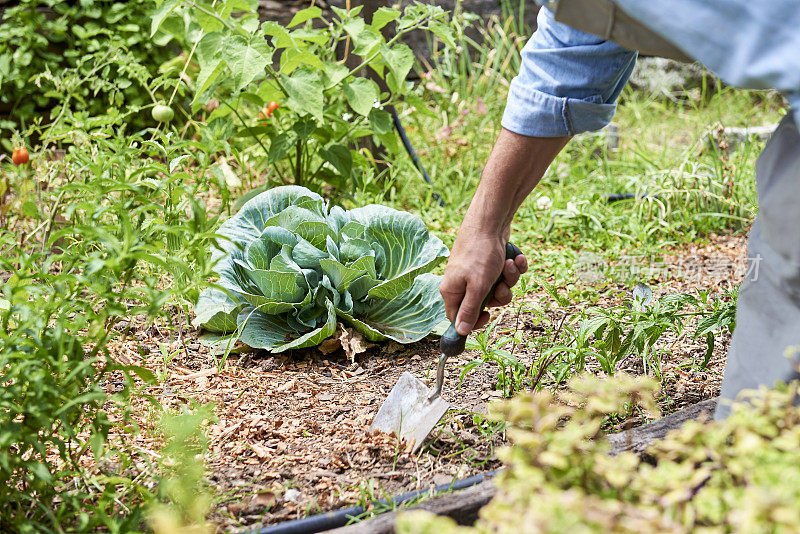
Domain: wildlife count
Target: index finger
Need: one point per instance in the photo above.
(522, 263)
(452, 297)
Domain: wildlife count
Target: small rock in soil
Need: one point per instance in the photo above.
(263, 499)
(466, 437)
(291, 495)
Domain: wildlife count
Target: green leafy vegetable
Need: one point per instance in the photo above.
(291, 267)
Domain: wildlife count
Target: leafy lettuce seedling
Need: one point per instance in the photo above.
(290, 267)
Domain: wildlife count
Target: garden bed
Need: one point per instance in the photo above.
(292, 432)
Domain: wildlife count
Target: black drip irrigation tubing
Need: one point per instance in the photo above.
(616, 197)
(341, 517)
(412, 153)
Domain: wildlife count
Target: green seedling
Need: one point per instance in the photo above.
(166, 357)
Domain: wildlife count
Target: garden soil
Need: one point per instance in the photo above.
(292, 435)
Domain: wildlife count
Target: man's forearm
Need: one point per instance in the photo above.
(515, 166)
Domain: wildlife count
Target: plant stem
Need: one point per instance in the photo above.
(212, 14)
(276, 77)
(356, 123)
(188, 60)
(254, 136)
(298, 164)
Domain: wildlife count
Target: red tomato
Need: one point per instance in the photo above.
(20, 155)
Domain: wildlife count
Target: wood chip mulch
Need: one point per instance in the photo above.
(291, 435)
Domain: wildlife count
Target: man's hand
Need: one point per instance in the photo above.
(515, 166)
(475, 263)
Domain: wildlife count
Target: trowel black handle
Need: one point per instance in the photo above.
(452, 343)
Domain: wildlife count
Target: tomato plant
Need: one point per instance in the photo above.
(335, 108)
(94, 56)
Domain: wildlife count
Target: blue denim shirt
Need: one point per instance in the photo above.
(570, 80)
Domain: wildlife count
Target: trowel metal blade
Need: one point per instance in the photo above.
(407, 411)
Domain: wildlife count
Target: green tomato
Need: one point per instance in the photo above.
(162, 113)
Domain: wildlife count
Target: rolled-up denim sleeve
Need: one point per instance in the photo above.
(568, 83)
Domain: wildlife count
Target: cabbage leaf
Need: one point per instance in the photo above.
(290, 267)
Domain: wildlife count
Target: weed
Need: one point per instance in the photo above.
(166, 357)
(720, 315)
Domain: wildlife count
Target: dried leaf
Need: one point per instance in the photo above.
(260, 450)
(288, 385)
(231, 179)
(235, 507)
(444, 133)
(291, 495)
(353, 343)
(264, 498)
(201, 373)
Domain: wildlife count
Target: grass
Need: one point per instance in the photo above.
(689, 193)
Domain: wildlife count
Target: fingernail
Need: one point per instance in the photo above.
(462, 328)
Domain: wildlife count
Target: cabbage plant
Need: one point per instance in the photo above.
(290, 268)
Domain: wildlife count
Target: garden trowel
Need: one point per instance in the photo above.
(412, 410)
